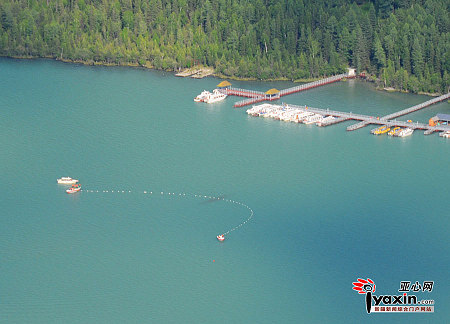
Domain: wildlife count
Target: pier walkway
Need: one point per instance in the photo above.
(258, 96)
(243, 93)
(400, 113)
(342, 116)
(314, 84)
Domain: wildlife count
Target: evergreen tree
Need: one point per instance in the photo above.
(417, 58)
(405, 43)
(379, 55)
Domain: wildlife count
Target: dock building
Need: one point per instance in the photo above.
(439, 119)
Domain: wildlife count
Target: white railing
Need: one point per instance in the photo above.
(245, 92)
(313, 84)
(416, 107)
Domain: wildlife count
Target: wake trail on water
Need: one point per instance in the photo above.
(183, 195)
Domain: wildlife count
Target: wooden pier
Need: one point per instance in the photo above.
(388, 118)
(366, 120)
(336, 121)
(243, 93)
(314, 84)
(358, 126)
(258, 96)
(429, 132)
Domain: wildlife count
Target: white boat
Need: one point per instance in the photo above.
(313, 119)
(394, 131)
(275, 113)
(294, 117)
(287, 116)
(74, 188)
(267, 114)
(66, 180)
(221, 237)
(215, 96)
(290, 116)
(326, 120)
(303, 116)
(445, 134)
(202, 96)
(405, 132)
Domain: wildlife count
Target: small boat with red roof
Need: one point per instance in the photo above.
(221, 237)
(75, 188)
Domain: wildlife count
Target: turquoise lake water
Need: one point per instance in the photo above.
(329, 205)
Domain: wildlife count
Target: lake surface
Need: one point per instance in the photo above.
(329, 205)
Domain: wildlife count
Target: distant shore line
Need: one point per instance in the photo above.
(148, 66)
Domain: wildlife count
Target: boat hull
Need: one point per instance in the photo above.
(213, 100)
(71, 191)
(61, 181)
(405, 132)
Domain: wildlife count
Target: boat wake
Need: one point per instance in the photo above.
(206, 198)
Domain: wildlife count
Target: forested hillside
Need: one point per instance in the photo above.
(405, 43)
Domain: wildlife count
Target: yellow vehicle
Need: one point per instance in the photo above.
(384, 131)
(381, 130)
(394, 131)
(377, 130)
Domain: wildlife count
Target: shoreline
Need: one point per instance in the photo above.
(390, 89)
(214, 74)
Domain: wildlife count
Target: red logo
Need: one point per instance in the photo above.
(363, 286)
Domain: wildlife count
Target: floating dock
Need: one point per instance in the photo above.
(364, 119)
(388, 118)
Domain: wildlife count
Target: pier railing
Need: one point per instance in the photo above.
(314, 84)
(400, 113)
(357, 126)
(335, 121)
(258, 96)
(249, 101)
(416, 107)
(243, 92)
(366, 120)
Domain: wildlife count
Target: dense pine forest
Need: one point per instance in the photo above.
(404, 44)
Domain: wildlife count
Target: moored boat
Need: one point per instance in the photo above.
(375, 130)
(445, 134)
(202, 96)
(381, 130)
(405, 132)
(66, 180)
(74, 188)
(394, 131)
(302, 116)
(313, 119)
(215, 96)
(326, 120)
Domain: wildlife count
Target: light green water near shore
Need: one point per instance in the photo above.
(330, 206)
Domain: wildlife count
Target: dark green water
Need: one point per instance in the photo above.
(330, 206)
